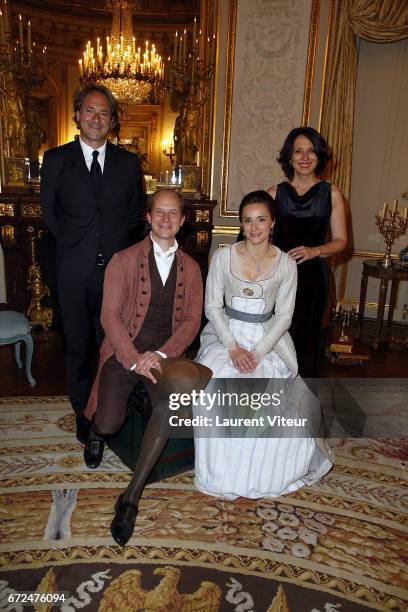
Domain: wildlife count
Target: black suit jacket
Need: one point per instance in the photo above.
(83, 221)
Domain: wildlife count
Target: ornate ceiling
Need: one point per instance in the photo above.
(66, 26)
(146, 11)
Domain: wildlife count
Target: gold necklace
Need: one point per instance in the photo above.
(257, 262)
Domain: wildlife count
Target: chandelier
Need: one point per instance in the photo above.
(132, 74)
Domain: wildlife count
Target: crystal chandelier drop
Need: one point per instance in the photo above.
(132, 74)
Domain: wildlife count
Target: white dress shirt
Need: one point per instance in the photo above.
(87, 151)
(164, 259)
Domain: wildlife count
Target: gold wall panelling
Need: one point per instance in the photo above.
(6, 210)
(225, 230)
(31, 210)
(311, 59)
(202, 216)
(202, 239)
(8, 235)
(229, 79)
(327, 54)
(210, 18)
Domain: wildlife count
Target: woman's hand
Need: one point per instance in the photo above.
(243, 360)
(303, 253)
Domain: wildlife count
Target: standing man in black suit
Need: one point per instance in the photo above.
(91, 194)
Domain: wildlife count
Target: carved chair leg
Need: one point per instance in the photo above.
(29, 355)
(17, 354)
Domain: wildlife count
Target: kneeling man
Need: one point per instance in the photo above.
(151, 312)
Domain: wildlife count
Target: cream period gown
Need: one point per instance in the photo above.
(252, 466)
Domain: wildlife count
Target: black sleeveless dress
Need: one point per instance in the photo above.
(304, 220)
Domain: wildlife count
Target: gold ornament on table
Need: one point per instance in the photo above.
(392, 224)
(39, 315)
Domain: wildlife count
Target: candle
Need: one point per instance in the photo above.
(81, 69)
(45, 59)
(380, 213)
(20, 33)
(384, 209)
(184, 44)
(394, 205)
(167, 177)
(180, 51)
(405, 213)
(175, 47)
(213, 50)
(337, 306)
(194, 29)
(207, 52)
(2, 36)
(29, 38)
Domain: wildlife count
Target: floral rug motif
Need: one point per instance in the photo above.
(337, 545)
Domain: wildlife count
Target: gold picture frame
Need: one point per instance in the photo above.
(16, 172)
(189, 178)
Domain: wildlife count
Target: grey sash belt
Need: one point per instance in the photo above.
(247, 316)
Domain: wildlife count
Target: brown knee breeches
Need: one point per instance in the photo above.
(178, 375)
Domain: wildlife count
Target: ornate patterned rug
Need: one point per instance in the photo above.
(340, 545)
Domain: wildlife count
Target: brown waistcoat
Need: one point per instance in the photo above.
(157, 326)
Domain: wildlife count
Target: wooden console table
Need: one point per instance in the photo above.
(395, 274)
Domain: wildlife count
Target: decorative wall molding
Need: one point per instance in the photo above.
(265, 77)
(311, 60)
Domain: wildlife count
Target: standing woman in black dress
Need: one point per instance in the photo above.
(310, 226)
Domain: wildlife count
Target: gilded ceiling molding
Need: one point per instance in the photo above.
(311, 60)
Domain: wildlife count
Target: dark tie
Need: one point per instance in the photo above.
(96, 170)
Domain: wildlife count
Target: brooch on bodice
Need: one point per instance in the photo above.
(247, 291)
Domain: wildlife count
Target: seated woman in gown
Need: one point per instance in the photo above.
(249, 338)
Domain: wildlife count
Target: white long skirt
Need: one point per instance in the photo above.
(252, 467)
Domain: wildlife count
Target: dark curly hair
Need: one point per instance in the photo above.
(320, 147)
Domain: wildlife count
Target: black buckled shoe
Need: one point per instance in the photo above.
(124, 521)
(93, 452)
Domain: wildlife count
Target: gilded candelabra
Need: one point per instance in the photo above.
(40, 316)
(21, 60)
(392, 224)
(191, 65)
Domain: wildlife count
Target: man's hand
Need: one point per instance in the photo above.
(243, 360)
(147, 362)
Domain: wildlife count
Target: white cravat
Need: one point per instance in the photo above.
(87, 151)
(164, 259)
